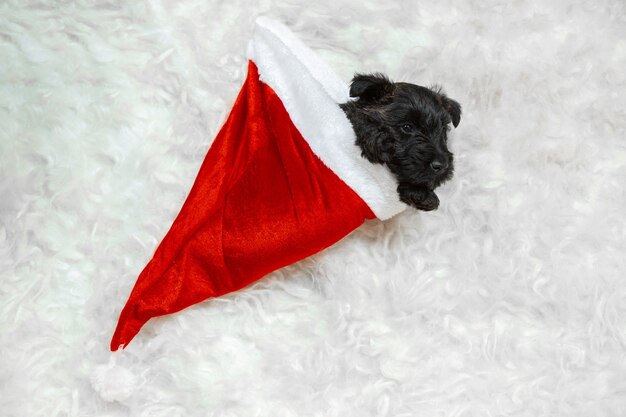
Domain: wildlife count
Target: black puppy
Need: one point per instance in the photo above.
(404, 126)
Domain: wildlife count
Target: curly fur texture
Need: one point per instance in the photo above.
(507, 301)
(404, 126)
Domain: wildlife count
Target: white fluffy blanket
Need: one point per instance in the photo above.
(510, 300)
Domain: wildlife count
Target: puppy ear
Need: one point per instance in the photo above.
(370, 87)
(454, 110)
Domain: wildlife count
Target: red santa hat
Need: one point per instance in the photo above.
(282, 180)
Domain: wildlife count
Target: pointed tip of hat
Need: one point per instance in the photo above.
(127, 328)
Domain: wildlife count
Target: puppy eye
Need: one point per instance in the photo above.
(407, 128)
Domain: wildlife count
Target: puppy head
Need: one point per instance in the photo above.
(411, 122)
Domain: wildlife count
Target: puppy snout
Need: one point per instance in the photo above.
(438, 165)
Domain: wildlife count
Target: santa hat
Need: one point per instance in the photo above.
(282, 180)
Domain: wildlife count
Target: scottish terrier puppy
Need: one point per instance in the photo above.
(404, 126)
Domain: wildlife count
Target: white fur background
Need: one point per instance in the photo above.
(510, 300)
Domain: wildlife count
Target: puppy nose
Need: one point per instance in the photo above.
(438, 165)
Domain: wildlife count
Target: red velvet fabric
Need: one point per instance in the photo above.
(262, 200)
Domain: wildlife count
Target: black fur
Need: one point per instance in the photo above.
(404, 126)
